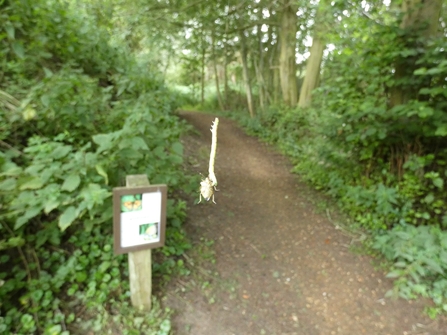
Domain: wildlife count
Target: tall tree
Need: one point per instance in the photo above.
(216, 73)
(246, 76)
(312, 74)
(287, 59)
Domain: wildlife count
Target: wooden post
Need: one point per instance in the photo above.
(140, 263)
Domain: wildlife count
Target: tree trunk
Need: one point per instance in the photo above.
(226, 88)
(312, 74)
(216, 73)
(421, 17)
(260, 66)
(251, 108)
(274, 86)
(202, 79)
(313, 65)
(287, 59)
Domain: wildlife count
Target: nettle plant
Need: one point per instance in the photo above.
(419, 257)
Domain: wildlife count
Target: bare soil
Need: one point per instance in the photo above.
(268, 259)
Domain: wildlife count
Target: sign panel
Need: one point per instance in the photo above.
(139, 217)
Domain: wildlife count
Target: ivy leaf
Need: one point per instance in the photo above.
(67, 217)
(71, 183)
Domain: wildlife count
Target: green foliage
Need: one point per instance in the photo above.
(76, 116)
(419, 257)
(385, 162)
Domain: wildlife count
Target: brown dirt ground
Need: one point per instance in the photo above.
(267, 261)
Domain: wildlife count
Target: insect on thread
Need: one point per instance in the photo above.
(208, 184)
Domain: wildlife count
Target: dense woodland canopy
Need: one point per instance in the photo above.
(355, 92)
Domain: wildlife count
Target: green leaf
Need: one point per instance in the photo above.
(37, 295)
(54, 330)
(177, 147)
(61, 151)
(441, 131)
(429, 198)
(12, 242)
(67, 217)
(105, 141)
(71, 183)
(104, 266)
(439, 183)
(29, 214)
(10, 31)
(45, 99)
(18, 49)
(433, 265)
(102, 173)
(48, 72)
(32, 184)
(394, 274)
(81, 277)
(443, 257)
(139, 143)
(8, 184)
(420, 71)
(50, 205)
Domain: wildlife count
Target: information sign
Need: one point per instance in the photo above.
(139, 218)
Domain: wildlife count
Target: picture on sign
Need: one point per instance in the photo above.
(140, 218)
(130, 203)
(149, 231)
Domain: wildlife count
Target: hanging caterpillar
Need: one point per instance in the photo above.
(208, 184)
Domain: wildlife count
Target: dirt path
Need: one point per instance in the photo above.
(280, 267)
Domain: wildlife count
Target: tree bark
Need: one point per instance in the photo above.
(226, 88)
(251, 108)
(287, 59)
(312, 74)
(216, 73)
(260, 65)
(202, 77)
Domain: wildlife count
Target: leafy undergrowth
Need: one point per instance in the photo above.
(76, 116)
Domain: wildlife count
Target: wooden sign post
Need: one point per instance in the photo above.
(139, 225)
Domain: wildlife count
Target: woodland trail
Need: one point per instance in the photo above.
(280, 266)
